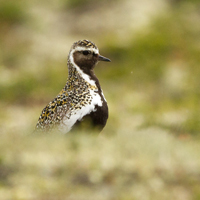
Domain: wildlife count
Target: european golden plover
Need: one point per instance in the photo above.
(81, 101)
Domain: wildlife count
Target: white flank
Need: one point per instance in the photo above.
(79, 114)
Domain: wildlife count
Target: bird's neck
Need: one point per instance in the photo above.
(76, 76)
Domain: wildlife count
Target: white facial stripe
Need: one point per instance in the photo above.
(96, 51)
(85, 76)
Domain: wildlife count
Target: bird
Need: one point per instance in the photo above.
(81, 103)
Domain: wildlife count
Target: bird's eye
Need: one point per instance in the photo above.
(86, 52)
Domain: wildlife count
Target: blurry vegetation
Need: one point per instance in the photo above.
(152, 87)
(79, 4)
(183, 2)
(149, 52)
(123, 167)
(12, 12)
(145, 61)
(143, 65)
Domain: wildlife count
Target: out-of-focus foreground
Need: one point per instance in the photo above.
(150, 146)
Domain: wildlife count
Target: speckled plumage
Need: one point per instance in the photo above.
(81, 96)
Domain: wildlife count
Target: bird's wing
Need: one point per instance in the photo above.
(53, 113)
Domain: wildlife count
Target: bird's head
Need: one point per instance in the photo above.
(85, 55)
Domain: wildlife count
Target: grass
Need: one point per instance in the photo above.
(12, 13)
(148, 164)
(149, 148)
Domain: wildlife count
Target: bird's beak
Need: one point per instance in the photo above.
(101, 58)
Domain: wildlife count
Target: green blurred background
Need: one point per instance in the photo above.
(150, 146)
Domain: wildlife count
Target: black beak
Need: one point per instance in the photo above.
(101, 58)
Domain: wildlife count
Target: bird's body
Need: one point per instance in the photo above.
(81, 101)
